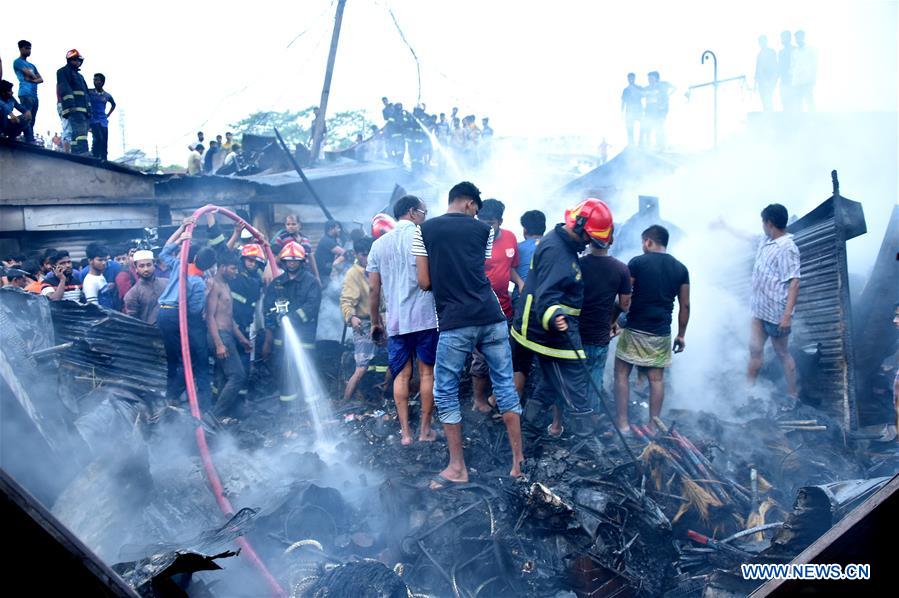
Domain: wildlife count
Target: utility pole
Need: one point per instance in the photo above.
(319, 124)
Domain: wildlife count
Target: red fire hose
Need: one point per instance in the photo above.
(211, 473)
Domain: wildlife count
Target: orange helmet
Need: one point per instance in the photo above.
(292, 251)
(73, 53)
(254, 251)
(593, 217)
(381, 224)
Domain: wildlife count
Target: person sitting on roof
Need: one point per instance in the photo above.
(11, 126)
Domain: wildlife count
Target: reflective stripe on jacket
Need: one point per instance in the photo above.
(554, 287)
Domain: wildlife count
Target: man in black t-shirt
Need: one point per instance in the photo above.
(605, 280)
(658, 279)
(327, 250)
(449, 253)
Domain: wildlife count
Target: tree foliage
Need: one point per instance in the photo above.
(296, 126)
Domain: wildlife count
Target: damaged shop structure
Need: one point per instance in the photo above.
(106, 496)
(52, 199)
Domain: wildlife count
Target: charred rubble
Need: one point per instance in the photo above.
(673, 513)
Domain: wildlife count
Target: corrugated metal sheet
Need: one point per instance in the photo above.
(111, 349)
(823, 314)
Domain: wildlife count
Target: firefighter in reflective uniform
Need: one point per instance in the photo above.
(417, 138)
(246, 290)
(396, 140)
(298, 288)
(546, 320)
(71, 89)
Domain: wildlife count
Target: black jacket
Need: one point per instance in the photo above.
(304, 295)
(245, 292)
(553, 287)
(72, 92)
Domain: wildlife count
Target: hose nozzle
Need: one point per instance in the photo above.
(281, 306)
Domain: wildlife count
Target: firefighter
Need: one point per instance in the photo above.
(416, 138)
(294, 295)
(546, 320)
(396, 128)
(246, 290)
(76, 107)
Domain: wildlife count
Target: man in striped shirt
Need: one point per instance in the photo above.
(62, 282)
(449, 255)
(775, 287)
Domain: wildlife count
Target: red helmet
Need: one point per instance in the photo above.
(254, 251)
(73, 53)
(591, 216)
(292, 251)
(381, 224)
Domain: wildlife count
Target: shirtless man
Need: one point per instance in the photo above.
(226, 336)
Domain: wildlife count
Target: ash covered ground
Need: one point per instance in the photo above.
(351, 513)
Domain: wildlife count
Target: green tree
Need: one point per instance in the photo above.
(296, 126)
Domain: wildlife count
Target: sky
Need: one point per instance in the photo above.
(537, 69)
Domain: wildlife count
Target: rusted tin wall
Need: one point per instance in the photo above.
(823, 314)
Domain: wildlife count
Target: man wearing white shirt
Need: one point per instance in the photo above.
(775, 287)
(804, 71)
(95, 282)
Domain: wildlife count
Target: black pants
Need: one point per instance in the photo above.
(230, 376)
(563, 382)
(101, 140)
(199, 356)
(79, 123)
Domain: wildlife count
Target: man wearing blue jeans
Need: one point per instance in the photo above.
(29, 79)
(201, 259)
(449, 252)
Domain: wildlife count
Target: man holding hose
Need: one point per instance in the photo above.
(547, 317)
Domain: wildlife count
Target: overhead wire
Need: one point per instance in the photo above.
(411, 49)
(315, 23)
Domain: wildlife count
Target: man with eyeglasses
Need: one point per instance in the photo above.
(411, 316)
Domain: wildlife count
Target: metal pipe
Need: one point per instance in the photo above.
(705, 55)
(302, 174)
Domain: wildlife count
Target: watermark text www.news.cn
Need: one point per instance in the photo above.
(808, 571)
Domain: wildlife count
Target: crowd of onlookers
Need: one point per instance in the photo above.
(222, 156)
(793, 70)
(440, 295)
(228, 306)
(81, 110)
(427, 139)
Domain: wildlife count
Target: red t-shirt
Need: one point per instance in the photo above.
(124, 280)
(499, 268)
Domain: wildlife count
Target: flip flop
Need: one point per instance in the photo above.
(444, 483)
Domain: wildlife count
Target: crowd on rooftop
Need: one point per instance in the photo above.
(425, 140)
(82, 110)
